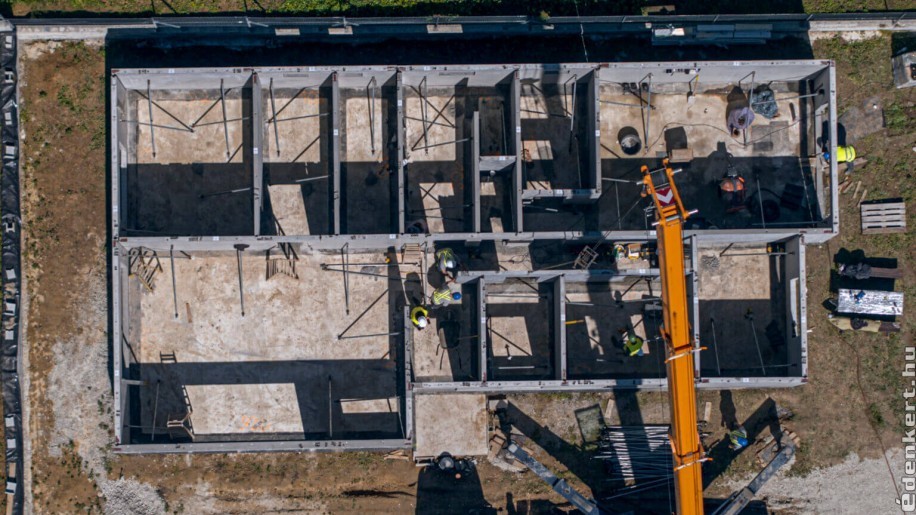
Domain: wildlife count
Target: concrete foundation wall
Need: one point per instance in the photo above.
(361, 200)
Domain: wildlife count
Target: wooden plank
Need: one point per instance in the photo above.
(885, 218)
(885, 230)
(881, 219)
(870, 214)
(896, 205)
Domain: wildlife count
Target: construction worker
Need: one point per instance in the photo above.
(738, 439)
(447, 262)
(844, 154)
(732, 191)
(419, 316)
(632, 344)
(444, 296)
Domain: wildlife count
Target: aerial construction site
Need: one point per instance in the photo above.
(274, 228)
(522, 264)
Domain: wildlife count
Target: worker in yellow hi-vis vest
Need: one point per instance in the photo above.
(447, 263)
(419, 316)
(632, 344)
(444, 296)
(844, 154)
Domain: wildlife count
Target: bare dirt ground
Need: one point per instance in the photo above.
(72, 470)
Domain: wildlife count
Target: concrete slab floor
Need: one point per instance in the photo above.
(729, 286)
(436, 194)
(441, 125)
(260, 373)
(273, 400)
(285, 318)
(550, 151)
(495, 204)
(288, 208)
(704, 123)
(314, 183)
(365, 123)
(454, 423)
(593, 333)
(447, 350)
(301, 124)
(519, 338)
(785, 182)
(188, 199)
(205, 144)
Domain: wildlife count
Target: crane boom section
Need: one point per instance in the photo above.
(684, 437)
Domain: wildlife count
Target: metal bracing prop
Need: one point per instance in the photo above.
(624, 104)
(760, 200)
(750, 317)
(647, 113)
(174, 287)
(289, 102)
(715, 346)
(510, 342)
(425, 104)
(431, 123)
(155, 410)
(249, 188)
(345, 260)
(306, 149)
(342, 334)
(222, 99)
(149, 103)
(239, 247)
(427, 147)
(370, 96)
(571, 109)
(225, 192)
(423, 112)
(273, 115)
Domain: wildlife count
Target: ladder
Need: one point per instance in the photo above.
(282, 265)
(585, 258)
(144, 264)
(180, 424)
(412, 255)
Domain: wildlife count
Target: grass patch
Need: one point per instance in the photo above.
(540, 9)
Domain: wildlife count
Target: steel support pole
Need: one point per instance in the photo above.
(174, 287)
(273, 115)
(222, 98)
(715, 346)
(345, 261)
(238, 257)
(371, 96)
(149, 103)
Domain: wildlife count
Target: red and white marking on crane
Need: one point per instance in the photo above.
(664, 195)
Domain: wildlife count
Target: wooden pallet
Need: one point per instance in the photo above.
(883, 218)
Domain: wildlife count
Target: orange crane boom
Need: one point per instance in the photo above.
(685, 439)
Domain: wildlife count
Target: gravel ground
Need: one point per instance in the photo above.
(847, 488)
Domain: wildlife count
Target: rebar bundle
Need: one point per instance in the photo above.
(635, 453)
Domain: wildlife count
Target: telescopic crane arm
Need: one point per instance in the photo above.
(685, 439)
